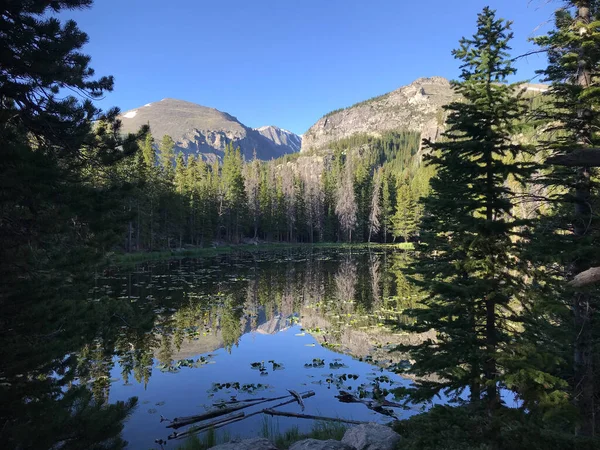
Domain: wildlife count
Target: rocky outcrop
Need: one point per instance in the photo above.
(371, 436)
(247, 444)
(416, 107)
(204, 131)
(314, 444)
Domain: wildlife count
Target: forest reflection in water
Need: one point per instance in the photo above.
(186, 333)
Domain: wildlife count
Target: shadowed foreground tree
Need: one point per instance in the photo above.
(60, 211)
(573, 120)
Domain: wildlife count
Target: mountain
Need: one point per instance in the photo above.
(281, 137)
(415, 107)
(204, 131)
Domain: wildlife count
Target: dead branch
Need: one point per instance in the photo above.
(585, 278)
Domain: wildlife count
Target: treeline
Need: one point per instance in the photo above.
(363, 188)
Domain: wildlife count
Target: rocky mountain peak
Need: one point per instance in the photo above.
(415, 107)
(204, 131)
(281, 137)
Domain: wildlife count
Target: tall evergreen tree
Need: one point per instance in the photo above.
(404, 220)
(149, 152)
(166, 152)
(234, 194)
(469, 260)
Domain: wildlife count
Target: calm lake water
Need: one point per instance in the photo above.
(252, 325)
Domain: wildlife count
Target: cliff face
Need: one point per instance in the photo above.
(416, 107)
(281, 137)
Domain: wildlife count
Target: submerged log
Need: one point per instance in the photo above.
(179, 422)
(272, 412)
(214, 424)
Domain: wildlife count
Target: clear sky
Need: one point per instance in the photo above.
(286, 62)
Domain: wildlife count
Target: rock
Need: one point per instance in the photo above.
(315, 444)
(371, 436)
(247, 444)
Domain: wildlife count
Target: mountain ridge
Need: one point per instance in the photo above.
(414, 107)
(417, 106)
(205, 131)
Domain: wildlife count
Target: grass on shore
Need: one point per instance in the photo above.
(270, 430)
(320, 430)
(122, 259)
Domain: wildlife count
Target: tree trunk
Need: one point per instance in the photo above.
(582, 310)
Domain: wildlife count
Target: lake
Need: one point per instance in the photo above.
(250, 325)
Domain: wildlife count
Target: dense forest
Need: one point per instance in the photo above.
(361, 189)
(506, 232)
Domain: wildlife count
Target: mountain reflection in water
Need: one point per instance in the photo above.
(188, 333)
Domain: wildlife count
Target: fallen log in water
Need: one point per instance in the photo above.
(179, 422)
(272, 412)
(229, 420)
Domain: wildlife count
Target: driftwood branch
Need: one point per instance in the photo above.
(588, 157)
(272, 412)
(585, 278)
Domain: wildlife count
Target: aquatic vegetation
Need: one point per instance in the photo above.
(250, 388)
(336, 365)
(316, 363)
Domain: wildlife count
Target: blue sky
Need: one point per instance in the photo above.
(286, 62)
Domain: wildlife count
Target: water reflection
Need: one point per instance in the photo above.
(171, 330)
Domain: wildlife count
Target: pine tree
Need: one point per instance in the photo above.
(404, 221)
(166, 152)
(469, 261)
(234, 195)
(573, 49)
(149, 152)
(252, 186)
